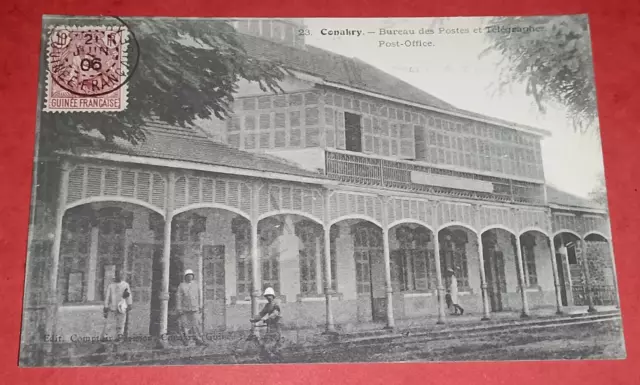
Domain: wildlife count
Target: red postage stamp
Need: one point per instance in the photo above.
(87, 69)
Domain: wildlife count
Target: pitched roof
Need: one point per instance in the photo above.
(353, 72)
(563, 198)
(170, 142)
(339, 69)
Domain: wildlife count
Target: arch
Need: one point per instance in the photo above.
(527, 229)
(115, 199)
(355, 216)
(498, 227)
(291, 212)
(409, 221)
(596, 232)
(555, 234)
(450, 224)
(196, 206)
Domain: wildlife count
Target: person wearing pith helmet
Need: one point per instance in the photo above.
(188, 306)
(270, 315)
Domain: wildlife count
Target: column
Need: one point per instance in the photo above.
(582, 254)
(523, 288)
(556, 279)
(93, 261)
(255, 261)
(166, 257)
(387, 264)
(486, 314)
(328, 290)
(439, 281)
(52, 311)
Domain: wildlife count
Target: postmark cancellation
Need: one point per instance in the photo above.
(87, 69)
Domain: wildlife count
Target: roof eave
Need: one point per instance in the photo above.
(593, 210)
(195, 166)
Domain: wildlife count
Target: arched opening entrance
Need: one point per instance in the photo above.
(494, 267)
(413, 270)
(360, 255)
(457, 256)
(99, 239)
(412, 258)
(601, 270)
(566, 246)
(206, 241)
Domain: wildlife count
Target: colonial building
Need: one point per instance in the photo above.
(350, 193)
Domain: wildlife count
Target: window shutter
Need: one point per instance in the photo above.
(330, 129)
(420, 265)
(407, 146)
(340, 134)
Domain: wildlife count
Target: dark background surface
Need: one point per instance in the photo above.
(615, 28)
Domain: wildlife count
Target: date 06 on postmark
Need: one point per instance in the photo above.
(87, 69)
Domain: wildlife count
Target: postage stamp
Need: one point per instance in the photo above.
(86, 69)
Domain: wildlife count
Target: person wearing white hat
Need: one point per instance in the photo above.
(117, 303)
(271, 315)
(188, 306)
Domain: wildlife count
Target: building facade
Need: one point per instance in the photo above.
(350, 192)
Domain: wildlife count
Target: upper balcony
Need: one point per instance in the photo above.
(375, 171)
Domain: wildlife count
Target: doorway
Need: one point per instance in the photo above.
(367, 242)
(562, 279)
(494, 270)
(213, 291)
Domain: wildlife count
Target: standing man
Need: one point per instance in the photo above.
(188, 305)
(453, 293)
(117, 304)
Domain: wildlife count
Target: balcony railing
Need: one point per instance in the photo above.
(602, 295)
(373, 171)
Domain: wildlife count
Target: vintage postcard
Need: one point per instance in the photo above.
(272, 190)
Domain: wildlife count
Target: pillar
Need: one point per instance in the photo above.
(587, 278)
(328, 290)
(391, 324)
(439, 281)
(255, 261)
(486, 314)
(523, 288)
(52, 300)
(166, 257)
(93, 261)
(556, 278)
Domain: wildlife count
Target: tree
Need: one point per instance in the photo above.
(599, 193)
(188, 69)
(553, 61)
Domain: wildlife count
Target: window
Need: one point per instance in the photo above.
(528, 243)
(270, 230)
(410, 263)
(367, 242)
(310, 234)
(453, 256)
(242, 230)
(74, 252)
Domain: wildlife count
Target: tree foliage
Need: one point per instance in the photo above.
(188, 69)
(554, 62)
(599, 193)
